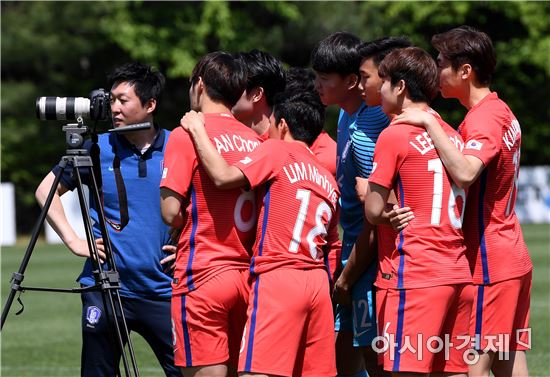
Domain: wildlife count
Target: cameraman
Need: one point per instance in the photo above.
(131, 168)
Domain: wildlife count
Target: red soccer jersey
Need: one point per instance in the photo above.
(324, 148)
(297, 226)
(430, 251)
(495, 245)
(219, 226)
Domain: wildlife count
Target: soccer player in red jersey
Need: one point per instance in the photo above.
(489, 166)
(424, 294)
(289, 328)
(324, 147)
(210, 286)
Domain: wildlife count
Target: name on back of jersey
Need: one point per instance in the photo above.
(232, 142)
(423, 143)
(512, 134)
(297, 172)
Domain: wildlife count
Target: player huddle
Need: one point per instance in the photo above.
(251, 290)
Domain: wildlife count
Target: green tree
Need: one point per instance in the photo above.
(67, 48)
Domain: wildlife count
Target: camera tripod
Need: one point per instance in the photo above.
(106, 278)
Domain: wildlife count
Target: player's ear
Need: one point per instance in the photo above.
(401, 86)
(257, 94)
(151, 105)
(465, 71)
(282, 127)
(200, 85)
(352, 80)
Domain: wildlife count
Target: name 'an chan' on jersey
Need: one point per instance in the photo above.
(227, 142)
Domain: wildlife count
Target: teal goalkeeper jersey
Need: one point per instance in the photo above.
(357, 135)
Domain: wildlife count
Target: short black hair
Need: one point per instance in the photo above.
(379, 48)
(337, 53)
(300, 78)
(148, 82)
(263, 70)
(465, 44)
(303, 112)
(223, 75)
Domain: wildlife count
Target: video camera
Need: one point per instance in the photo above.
(97, 107)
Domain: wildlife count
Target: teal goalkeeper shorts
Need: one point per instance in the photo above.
(361, 318)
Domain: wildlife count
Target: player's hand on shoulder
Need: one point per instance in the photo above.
(400, 217)
(414, 117)
(80, 248)
(192, 120)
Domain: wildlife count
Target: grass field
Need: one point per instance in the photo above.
(45, 339)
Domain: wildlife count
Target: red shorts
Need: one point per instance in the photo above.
(290, 327)
(424, 330)
(208, 322)
(500, 315)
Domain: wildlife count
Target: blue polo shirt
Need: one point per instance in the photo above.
(357, 135)
(137, 247)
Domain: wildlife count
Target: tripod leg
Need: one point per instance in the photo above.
(18, 277)
(114, 293)
(110, 296)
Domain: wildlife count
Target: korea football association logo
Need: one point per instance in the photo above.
(93, 314)
(474, 144)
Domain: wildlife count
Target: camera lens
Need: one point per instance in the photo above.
(62, 108)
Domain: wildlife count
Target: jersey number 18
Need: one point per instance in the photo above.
(318, 230)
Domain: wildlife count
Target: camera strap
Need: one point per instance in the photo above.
(121, 188)
(122, 198)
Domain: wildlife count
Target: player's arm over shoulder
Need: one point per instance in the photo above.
(462, 169)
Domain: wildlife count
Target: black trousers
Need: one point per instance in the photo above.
(149, 318)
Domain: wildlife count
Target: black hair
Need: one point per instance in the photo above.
(223, 75)
(379, 48)
(299, 78)
(303, 112)
(465, 44)
(263, 70)
(337, 53)
(148, 83)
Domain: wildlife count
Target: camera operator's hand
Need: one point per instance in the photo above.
(170, 261)
(192, 121)
(80, 248)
